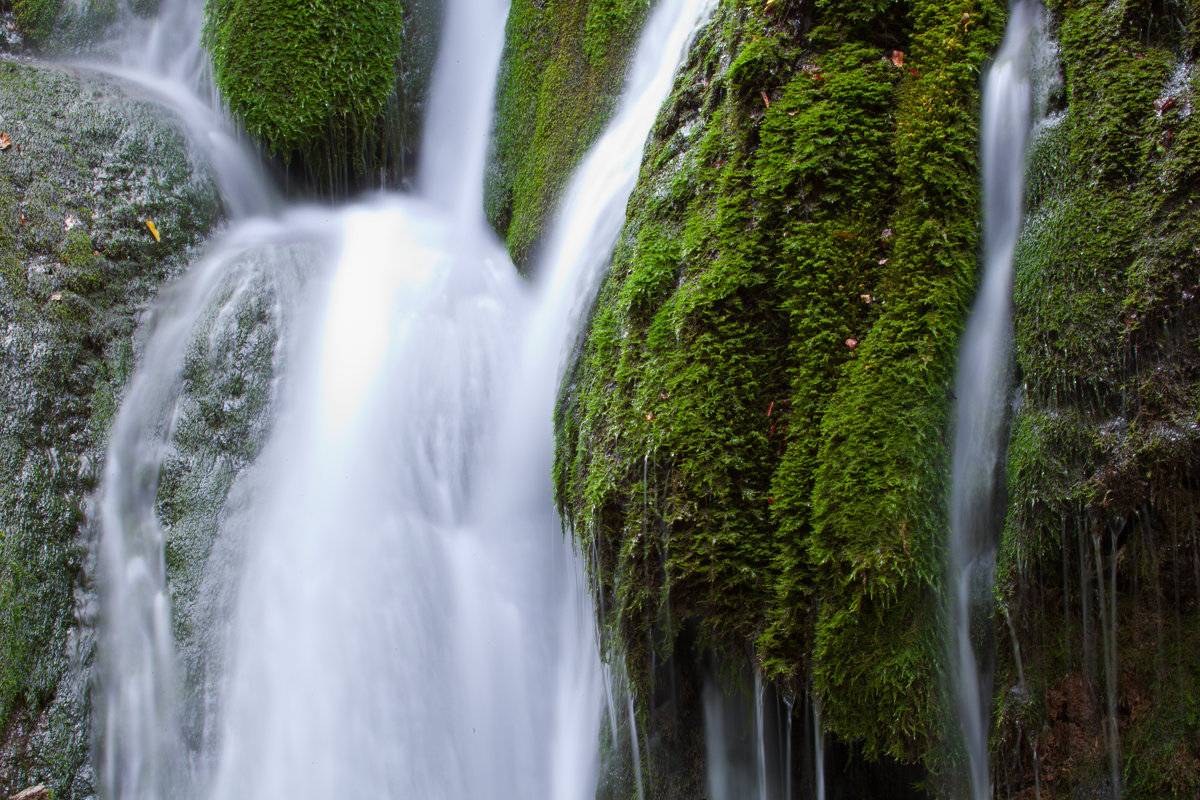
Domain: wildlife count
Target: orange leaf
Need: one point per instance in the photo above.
(153, 230)
(5, 141)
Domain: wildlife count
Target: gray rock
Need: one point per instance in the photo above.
(89, 164)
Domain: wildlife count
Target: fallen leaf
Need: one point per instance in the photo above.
(153, 230)
(852, 343)
(22, 220)
(882, 261)
(866, 298)
(71, 222)
(766, 100)
(898, 58)
(56, 297)
(650, 417)
(5, 141)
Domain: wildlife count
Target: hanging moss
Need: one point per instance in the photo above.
(308, 79)
(751, 440)
(1104, 466)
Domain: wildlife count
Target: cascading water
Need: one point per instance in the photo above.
(982, 388)
(387, 606)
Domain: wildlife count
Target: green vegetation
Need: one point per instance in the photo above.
(751, 442)
(76, 264)
(562, 71)
(1105, 452)
(312, 80)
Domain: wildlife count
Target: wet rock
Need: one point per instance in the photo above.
(84, 149)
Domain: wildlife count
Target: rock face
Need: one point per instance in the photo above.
(88, 166)
(752, 443)
(1101, 557)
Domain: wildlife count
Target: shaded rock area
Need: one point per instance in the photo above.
(89, 165)
(1101, 555)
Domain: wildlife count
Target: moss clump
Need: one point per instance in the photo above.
(561, 74)
(306, 78)
(35, 18)
(751, 442)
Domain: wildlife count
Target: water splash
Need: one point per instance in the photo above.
(982, 385)
(388, 604)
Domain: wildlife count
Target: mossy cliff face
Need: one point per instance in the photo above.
(562, 71)
(87, 167)
(336, 86)
(1104, 465)
(751, 444)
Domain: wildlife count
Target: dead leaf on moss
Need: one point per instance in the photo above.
(5, 141)
(153, 230)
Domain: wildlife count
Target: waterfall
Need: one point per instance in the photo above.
(982, 386)
(388, 605)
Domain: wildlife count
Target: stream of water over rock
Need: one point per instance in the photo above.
(982, 385)
(371, 591)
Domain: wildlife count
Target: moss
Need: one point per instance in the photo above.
(561, 73)
(86, 150)
(1105, 455)
(751, 439)
(36, 18)
(307, 79)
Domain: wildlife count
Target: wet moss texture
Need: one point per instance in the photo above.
(1100, 563)
(87, 167)
(337, 87)
(562, 71)
(751, 441)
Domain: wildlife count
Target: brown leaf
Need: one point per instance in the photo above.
(766, 100)
(852, 343)
(898, 58)
(5, 141)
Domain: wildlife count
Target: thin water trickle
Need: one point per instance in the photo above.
(388, 606)
(982, 386)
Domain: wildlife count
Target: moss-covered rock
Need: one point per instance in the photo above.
(561, 74)
(61, 25)
(88, 166)
(1105, 456)
(336, 85)
(751, 442)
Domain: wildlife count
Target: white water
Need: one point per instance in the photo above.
(982, 386)
(389, 607)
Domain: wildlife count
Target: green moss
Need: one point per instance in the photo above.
(36, 18)
(305, 77)
(561, 74)
(751, 440)
(1105, 452)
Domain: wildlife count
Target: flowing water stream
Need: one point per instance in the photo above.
(983, 382)
(380, 600)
